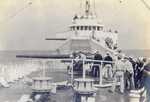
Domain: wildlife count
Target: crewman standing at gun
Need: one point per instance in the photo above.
(146, 73)
(129, 74)
(108, 66)
(118, 72)
(96, 67)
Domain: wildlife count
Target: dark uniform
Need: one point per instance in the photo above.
(108, 58)
(138, 73)
(95, 68)
(107, 69)
(146, 71)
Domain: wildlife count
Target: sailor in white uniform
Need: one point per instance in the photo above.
(129, 74)
(118, 73)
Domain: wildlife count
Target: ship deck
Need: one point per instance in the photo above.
(19, 88)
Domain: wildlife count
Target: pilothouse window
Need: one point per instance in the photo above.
(73, 28)
(77, 27)
(89, 27)
(84, 84)
(86, 27)
(94, 28)
(81, 27)
(98, 28)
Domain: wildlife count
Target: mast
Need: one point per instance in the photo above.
(88, 11)
(90, 8)
(87, 8)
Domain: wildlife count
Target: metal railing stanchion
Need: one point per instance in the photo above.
(84, 70)
(71, 71)
(101, 74)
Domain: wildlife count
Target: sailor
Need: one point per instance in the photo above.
(82, 55)
(95, 69)
(138, 73)
(108, 66)
(77, 62)
(118, 73)
(117, 53)
(129, 80)
(69, 67)
(146, 73)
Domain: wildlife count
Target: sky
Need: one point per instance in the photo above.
(24, 24)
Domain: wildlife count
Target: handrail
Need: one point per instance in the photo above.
(68, 60)
(71, 61)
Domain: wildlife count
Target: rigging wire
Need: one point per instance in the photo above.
(143, 1)
(30, 3)
(16, 13)
(146, 4)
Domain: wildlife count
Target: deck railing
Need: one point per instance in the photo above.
(62, 64)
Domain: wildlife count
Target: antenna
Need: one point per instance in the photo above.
(87, 7)
(146, 4)
(90, 8)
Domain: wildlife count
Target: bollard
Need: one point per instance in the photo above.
(134, 96)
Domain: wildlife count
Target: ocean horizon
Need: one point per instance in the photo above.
(11, 54)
